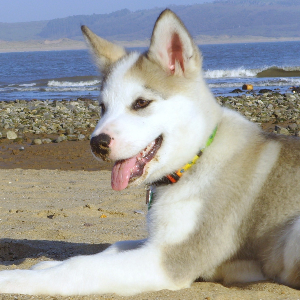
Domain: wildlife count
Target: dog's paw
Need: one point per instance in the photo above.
(14, 282)
(45, 265)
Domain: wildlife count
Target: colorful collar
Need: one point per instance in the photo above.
(174, 177)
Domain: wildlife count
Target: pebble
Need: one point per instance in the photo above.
(281, 130)
(46, 141)
(71, 118)
(11, 135)
(37, 142)
(48, 117)
(81, 137)
(60, 139)
(270, 107)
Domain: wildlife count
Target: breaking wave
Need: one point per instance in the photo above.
(234, 73)
(56, 83)
(266, 72)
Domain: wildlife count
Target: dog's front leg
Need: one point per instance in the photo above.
(115, 248)
(126, 273)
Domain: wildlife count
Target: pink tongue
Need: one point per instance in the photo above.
(121, 173)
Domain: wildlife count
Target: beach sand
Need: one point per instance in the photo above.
(69, 44)
(56, 202)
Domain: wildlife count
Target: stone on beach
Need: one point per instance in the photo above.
(48, 117)
(46, 141)
(37, 142)
(11, 135)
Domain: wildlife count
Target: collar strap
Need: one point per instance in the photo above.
(174, 177)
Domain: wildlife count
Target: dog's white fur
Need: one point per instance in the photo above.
(234, 216)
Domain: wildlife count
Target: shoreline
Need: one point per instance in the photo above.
(69, 44)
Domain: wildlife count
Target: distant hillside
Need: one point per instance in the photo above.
(21, 31)
(268, 18)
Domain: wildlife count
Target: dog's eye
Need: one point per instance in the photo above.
(140, 103)
(102, 108)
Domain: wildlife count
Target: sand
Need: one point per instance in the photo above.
(69, 44)
(71, 209)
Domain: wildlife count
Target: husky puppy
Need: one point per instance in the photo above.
(224, 196)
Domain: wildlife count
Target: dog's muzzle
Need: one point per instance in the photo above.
(100, 145)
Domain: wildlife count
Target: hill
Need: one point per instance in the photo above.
(267, 18)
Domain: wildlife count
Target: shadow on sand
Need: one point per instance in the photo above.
(16, 251)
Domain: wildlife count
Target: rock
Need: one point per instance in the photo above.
(295, 89)
(46, 141)
(61, 138)
(236, 91)
(293, 126)
(248, 87)
(281, 130)
(81, 137)
(264, 91)
(290, 97)
(70, 130)
(47, 116)
(37, 142)
(11, 135)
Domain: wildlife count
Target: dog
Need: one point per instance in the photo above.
(224, 196)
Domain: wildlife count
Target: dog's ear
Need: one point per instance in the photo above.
(106, 53)
(172, 46)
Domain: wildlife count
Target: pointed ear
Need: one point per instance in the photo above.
(105, 52)
(172, 46)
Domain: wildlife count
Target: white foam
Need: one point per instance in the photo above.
(234, 73)
(70, 89)
(26, 89)
(28, 84)
(72, 84)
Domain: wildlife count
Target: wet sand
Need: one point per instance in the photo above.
(56, 202)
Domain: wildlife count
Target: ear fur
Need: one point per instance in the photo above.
(172, 47)
(106, 53)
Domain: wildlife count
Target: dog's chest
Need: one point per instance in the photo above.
(174, 214)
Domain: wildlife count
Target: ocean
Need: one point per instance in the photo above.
(57, 75)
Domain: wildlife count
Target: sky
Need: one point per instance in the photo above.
(12, 11)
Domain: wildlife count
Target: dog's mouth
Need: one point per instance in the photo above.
(127, 170)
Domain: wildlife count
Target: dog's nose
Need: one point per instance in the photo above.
(100, 145)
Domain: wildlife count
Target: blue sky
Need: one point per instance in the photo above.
(36, 10)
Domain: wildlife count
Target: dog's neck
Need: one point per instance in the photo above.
(175, 176)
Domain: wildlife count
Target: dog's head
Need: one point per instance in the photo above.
(152, 121)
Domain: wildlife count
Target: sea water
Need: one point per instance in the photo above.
(57, 75)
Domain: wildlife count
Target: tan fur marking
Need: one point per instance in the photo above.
(106, 52)
(153, 77)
